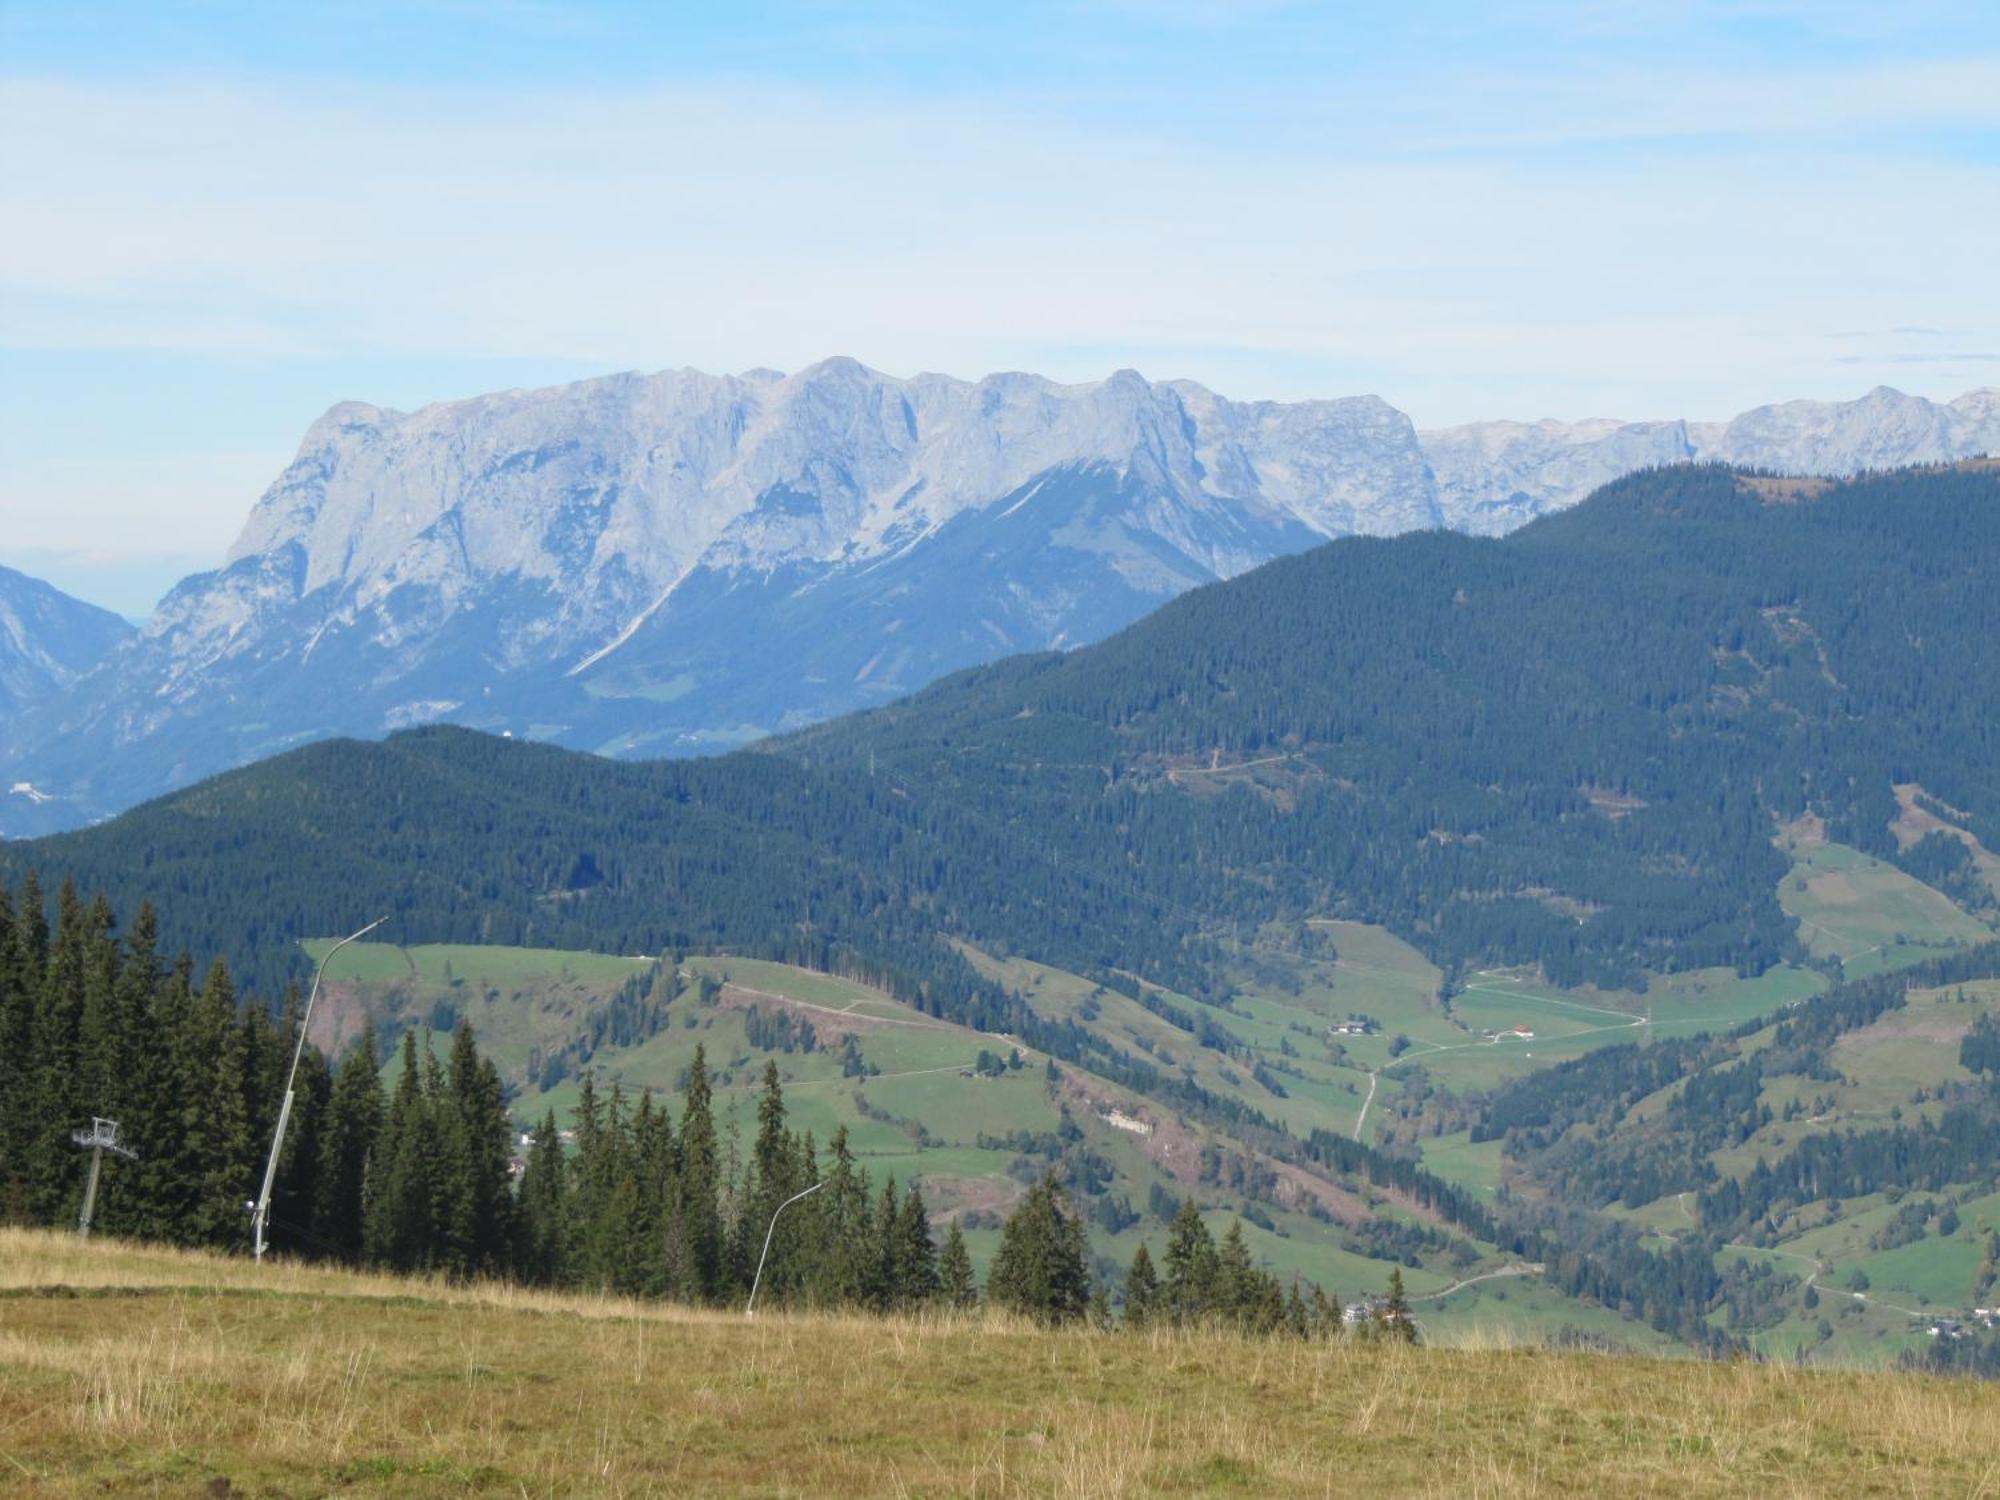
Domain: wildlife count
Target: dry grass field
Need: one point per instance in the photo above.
(128, 1370)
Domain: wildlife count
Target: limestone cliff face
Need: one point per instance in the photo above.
(677, 562)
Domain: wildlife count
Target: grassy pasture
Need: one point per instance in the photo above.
(167, 1372)
(1885, 1065)
(442, 963)
(1868, 913)
(1456, 1158)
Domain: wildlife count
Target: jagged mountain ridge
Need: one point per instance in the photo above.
(1494, 476)
(48, 639)
(678, 562)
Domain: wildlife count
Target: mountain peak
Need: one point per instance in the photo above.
(677, 561)
(48, 640)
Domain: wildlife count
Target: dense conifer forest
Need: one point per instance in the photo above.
(1570, 747)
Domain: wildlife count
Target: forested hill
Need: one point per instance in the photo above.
(1571, 746)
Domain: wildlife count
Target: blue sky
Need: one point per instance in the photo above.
(223, 218)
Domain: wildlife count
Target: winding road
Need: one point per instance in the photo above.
(1525, 1268)
(1361, 1119)
(1817, 1265)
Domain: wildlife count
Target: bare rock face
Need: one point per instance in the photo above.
(680, 562)
(48, 640)
(1882, 430)
(1495, 476)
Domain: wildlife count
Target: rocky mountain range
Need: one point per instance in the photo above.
(679, 562)
(48, 640)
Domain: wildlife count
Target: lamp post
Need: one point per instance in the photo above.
(260, 1216)
(750, 1308)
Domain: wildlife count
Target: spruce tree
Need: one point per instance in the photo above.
(103, 1032)
(916, 1252)
(543, 1218)
(655, 1163)
(843, 1228)
(1099, 1313)
(697, 1210)
(347, 1143)
(1235, 1277)
(1326, 1318)
(476, 1121)
(55, 1096)
(1041, 1268)
(1189, 1292)
(1396, 1319)
(399, 1230)
(269, 1053)
(956, 1283)
(17, 1063)
(772, 1180)
(216, 1115)
(144, 1054)
(171, 1165)
(879, 1282)
(1142, 1289)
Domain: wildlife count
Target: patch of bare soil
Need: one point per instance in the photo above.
(950, 1198)
(1775, 489)
(1176, 1147)
(338, 1017)
(1914, 821)
(827, 1020)
(1614, 805)
(1807, 831)
(1278, 779)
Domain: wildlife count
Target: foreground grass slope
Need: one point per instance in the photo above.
(158, 1371)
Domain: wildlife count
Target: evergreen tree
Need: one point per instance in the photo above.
(543, 1215)
(879, 1277)
(147, 1112)
(956, 1284)
(696, 1241)
(656, 1166)
(347, 1143)
(55, 1101)
(216, 1114)
(399, 1230)
(479, 1201)
(1396, 1318)
(104, 1032)
(843, 1228)
(1041, 1268)
(1327, 1319)
(17, 1062)
(916, 1256)
(1298, 1317)
(1142, 1289)
(1190, 1291)
(1235, 1277)
(1098, 1313)
(773, 1179)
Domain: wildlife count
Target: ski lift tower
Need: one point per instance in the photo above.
(100, 1138)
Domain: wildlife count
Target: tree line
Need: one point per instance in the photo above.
(417, 1166)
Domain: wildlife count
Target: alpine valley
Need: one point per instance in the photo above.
(681, 563)
(1595, 925)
